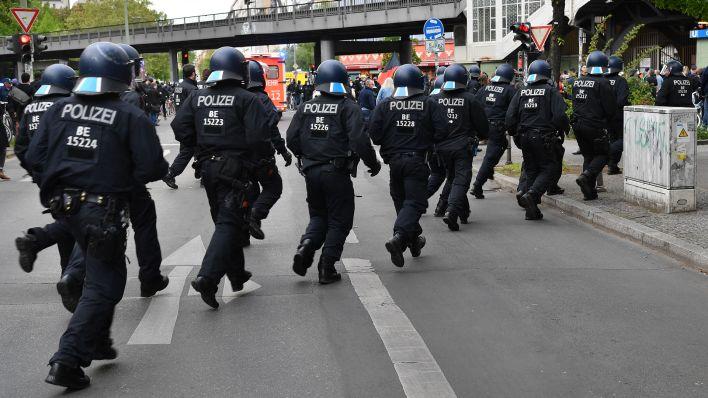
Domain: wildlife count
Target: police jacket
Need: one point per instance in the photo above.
(465, 119)
(98, 144)
(538, 106)
(30, 123)
(496, 97)
(275, 138)
(133, 98)
(327, 128)
(225, 119)
(594, 102)
(183, 90)
(407, 125)
(676, 91)
(473, 86)
(621, 88)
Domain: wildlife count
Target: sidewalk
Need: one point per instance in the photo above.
(682, 235)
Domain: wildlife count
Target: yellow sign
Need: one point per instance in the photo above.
(683, 134)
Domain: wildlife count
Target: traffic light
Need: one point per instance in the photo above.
(13, 44)
(185, 57)
(39, 45)
(522, 33)
(25, 44)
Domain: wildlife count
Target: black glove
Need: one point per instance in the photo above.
(287, 157)
(373, 170)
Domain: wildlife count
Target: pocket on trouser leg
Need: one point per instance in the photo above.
(106, 243)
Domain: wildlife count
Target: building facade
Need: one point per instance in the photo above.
(57, 3)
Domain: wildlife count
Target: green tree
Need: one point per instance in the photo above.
(694, 8)
(94, 13)
(48, 19)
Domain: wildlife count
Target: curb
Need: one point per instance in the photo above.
(695, 256)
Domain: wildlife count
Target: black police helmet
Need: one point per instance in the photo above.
(255, 75)
(440, 70)
(134, 56)
(56, 79)
(408, 81)
(597, 63)
(675, 68)
(456, 77)
(227, 63)
(539, 71)
(503, 74)
(437, 86)
(104, 67)
(475, 71)
(615, 65)
(332, 78)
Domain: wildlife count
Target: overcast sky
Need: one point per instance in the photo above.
(186, 8)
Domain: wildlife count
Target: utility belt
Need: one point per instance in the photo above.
(231, 170)
(422, 156)
(551, 138)
(106, 237)
(345, 164)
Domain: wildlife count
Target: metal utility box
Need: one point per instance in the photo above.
(660, 157)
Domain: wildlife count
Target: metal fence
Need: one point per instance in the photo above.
(230, 19)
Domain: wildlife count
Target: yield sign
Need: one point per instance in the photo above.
(539, 35)
(25, 17)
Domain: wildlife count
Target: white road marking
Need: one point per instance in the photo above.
(419, 373)
(228, 294)
(174, 144)
(158, 323)
(191, 253)
(165, 153)
(351, 238)
(26, 179)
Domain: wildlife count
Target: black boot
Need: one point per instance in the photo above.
(417, 246)
(451, 220)
(519, 194)
(70, 291)
(303, 257)
(237, 283)
(66, 376)
(530, 204)
(207, 289)
(477, 191)
(555, 190)
(587, 186)
(254, 228)
(613, 170)
(105, 351)
(396, 246)
(149, 289)
(440, 208)
(327, 273)
(27, 246)
(169, 179)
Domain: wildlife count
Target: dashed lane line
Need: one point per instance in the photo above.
(419, 373)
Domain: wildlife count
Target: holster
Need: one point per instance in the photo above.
(602, 143)
(107, 241)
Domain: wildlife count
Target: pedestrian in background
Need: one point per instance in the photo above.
(367, 100)
(386, 90)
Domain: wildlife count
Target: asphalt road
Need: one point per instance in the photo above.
(503, 308)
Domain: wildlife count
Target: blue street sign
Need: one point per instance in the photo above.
(699, 34)
(433, 29)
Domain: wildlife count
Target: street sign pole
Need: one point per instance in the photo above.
(523, 64)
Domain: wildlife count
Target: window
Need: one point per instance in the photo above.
(512, 12)
(532, 6)
(272, 72)
(484, 17)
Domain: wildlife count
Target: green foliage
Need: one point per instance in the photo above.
(628, 39)
(157, 66)
(93, 13)
(608, 45)
(599, 34)
(305, 55)
(204, 61)
(640, 92)
(695, 8)
(634, 64)
(702, 132)
(48, 19)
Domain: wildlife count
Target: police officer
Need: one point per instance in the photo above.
(132, 96)
(267, 175)
(182, 91)
(676, 89)
(404, 125)
(495, 97)
(594, 108)
(436, 165)
(92, 147)
(536, 118)
(230, 128)
(467, 123)
(621, 88)
(56, 83)
(327, 136)
(474, 85)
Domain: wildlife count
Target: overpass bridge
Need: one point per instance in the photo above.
(330, 24)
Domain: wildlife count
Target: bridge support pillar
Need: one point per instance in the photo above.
(326, 50)
(406, 50)
(174, 70)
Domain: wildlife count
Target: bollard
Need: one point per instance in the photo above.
(660, 157)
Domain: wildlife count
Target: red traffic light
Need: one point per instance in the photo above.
(524, 27)
(24, 39)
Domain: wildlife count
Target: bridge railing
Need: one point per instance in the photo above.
(242, 16)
